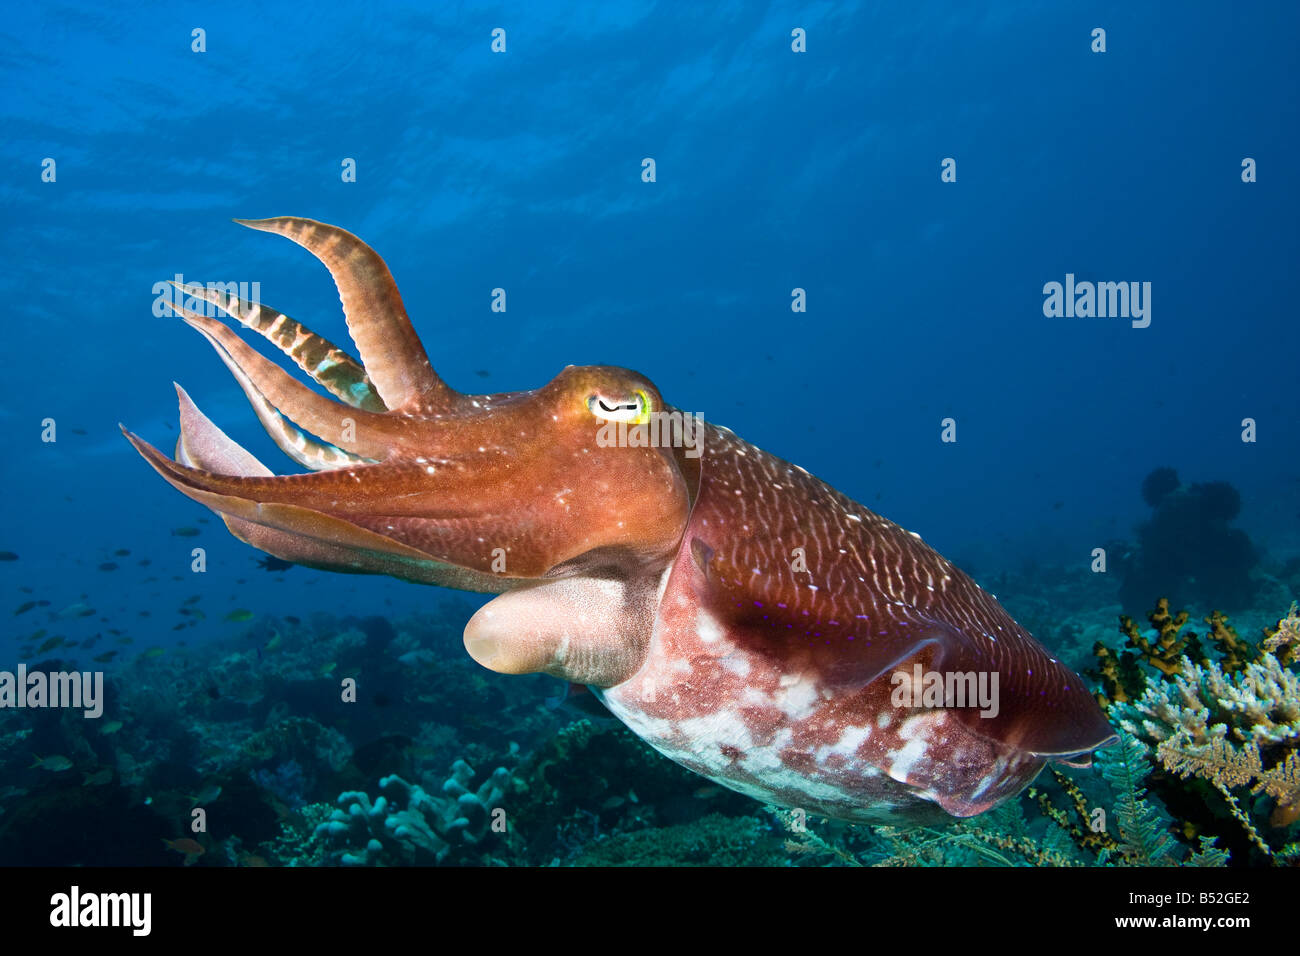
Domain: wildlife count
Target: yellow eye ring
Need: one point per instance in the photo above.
(635, 412)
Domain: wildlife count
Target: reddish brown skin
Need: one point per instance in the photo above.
(740, 615)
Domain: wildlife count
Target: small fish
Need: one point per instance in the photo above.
(126, 640)
(55, 764)
(144, 562)
(78, 431)
(613, 803)
(190, 849)
(272, 563)
(186, 532)
(74, 610)
(24, 607)
(420, 657)
(8, 556)
(154, 652)
(98, 778)
(293, 620)
(105, 657)
(707, 792)
(121, 552)
(57, 641)
(274, 642)
(251, 859)
(87, 612)
(191, 599)
(108, 566)
(205, 796)
(112, 727)
(327, 669)
(240, 614)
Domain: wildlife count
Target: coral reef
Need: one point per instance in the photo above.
(712, 840)
(1187, 550)
(1232, 724)
(407, 825)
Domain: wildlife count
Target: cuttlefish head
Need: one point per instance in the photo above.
(408, 477)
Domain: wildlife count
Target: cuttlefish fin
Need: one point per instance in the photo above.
(271, 390)
(329, 366)
(389, 348)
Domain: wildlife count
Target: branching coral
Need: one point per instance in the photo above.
(1259, 705)
(1165, 653)
(1236, 730)
(1120, 674)
(409, 825)
(1283, 641)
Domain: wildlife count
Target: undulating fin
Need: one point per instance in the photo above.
(269, 386)
(332, 368)
(389, 348)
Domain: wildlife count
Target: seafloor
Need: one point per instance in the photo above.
(439, 762)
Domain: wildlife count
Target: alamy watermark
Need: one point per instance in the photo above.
(75, 689)
(935, 689)
(658, 430)
(1102, 300)
(177, 293)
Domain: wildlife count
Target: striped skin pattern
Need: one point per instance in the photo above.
(777, 682)
(741, 616)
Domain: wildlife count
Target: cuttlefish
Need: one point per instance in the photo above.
(742, 617)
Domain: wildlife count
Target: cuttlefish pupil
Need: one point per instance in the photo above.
(660, 579)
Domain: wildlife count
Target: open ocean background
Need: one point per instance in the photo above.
(775, 170)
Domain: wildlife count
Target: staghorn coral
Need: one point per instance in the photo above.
(1283, 641)
(1166, 652)
(406, 824)
(1259, 705)
(1121, 675)
(1236, 730)
(1234, 653)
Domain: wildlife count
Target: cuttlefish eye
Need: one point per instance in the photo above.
(633, 408)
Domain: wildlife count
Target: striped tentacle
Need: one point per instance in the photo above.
(271, 391)
(330, 366)
(386, 341)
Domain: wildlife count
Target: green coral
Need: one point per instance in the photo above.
(713, 840)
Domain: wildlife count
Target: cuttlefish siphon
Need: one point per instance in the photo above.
(742, 617)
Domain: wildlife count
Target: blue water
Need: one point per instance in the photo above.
(775, 170)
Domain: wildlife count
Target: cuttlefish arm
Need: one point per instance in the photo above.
(477, 492)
